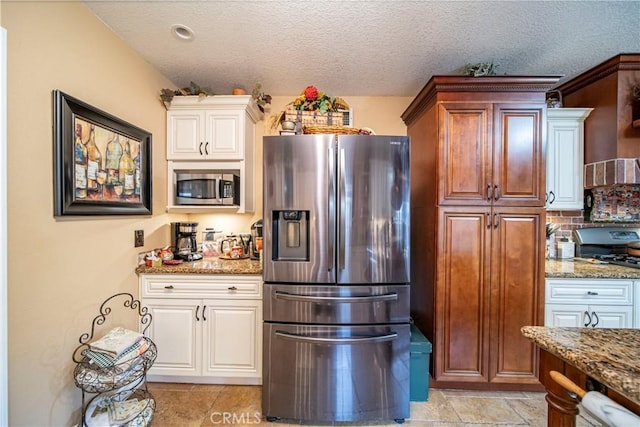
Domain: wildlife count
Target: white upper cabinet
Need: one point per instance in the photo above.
(220, 127)
(565, 157)
(213, 133)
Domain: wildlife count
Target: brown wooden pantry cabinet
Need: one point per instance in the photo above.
(478, 226)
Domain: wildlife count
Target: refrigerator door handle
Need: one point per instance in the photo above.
(340, 211)
(331, 208)
(392, 296)
(328, 340)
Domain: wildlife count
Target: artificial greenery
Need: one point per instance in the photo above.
(480, 69)
(261, 98)
(193, 89)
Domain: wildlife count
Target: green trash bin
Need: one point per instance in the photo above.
(420, 351)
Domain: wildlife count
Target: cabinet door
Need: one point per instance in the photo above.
(232, 338)
(185, 135)
(564, 164)
(565, 315)
(517, 295)
(224, 135)
(461, 347)
(176, 331)
(611, 316)
(464, 154)
(519, 161)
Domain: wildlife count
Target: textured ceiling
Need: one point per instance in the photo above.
(369, 47)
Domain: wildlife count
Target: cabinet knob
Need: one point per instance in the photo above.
(232, 288)
(169, 287)
(591, 293)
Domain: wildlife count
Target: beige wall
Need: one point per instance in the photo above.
(60, 270)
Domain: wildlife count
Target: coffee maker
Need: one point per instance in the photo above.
(256, 232)
(183, 241)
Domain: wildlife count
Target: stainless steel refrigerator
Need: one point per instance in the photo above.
(336, 274)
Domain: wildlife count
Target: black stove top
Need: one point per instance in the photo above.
(620, 259)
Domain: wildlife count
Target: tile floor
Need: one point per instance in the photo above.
(195, 405)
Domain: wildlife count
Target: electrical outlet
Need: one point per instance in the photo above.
(138, 238)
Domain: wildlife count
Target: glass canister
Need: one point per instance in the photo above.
(211, 242)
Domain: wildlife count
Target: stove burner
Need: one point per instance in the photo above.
(620, 259)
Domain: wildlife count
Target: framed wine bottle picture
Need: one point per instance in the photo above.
(102, 164)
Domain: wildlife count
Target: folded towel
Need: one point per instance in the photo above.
(115, 342)
(105, 360)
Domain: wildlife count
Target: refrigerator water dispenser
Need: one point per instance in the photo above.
(290, 236)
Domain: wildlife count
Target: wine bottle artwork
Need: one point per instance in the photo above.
(127, 169)
(114, 153)
(94, 161)
(102, 164)
(80, 165)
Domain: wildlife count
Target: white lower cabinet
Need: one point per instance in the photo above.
(589, 303)
(207, 328)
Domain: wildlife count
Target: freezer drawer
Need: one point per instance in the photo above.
(321, 304)
(336, 373)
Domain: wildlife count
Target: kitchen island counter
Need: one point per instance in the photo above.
(206, 266)
(578, 268)
(609, 356)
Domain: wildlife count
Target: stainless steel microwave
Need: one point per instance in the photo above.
(212, 188)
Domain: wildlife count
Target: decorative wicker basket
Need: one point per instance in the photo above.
(340, 130)
(313, 118)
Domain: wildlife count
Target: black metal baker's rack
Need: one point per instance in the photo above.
(121, 383)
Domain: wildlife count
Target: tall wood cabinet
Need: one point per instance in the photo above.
(477, 222)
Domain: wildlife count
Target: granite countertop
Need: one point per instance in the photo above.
(609, 356)
(206, 266)
(581, 268)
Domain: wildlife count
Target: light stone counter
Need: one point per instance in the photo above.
(206, 266)
(610, 356)
(578, 268)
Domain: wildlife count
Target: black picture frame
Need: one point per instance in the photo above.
(85, 184)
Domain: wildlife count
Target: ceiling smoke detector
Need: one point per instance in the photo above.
(182, 32)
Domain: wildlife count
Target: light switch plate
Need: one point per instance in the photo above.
(138, 238)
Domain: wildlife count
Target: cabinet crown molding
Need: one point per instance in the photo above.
(220, 102)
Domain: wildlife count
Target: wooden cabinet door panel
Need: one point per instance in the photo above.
(516, 293)
(225, 134)
(464, 154)
(185, 135)
(519, 162)
(231, 338)
(462, 296)
(175, 330)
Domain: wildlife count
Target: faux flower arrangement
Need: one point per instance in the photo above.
(311, 99)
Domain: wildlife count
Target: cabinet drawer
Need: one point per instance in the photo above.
(201, 286)
(574, 291)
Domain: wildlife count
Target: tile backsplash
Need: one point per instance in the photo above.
(617, 203)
